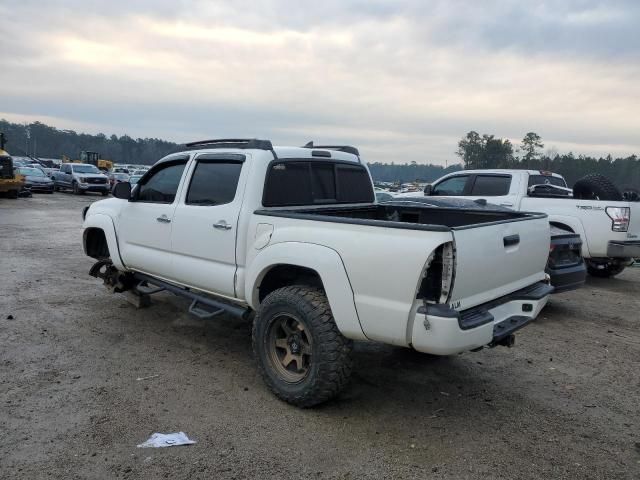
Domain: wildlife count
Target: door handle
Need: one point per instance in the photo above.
(222, 225)
(506, 204)
(163, 219)
(511, 240)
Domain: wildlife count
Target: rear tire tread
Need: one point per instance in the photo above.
(332, 351)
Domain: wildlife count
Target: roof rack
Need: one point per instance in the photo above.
(232, 143)
(339, 148)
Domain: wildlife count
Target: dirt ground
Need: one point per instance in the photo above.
(563, 403)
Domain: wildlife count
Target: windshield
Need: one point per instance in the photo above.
(85, 169)
(32, 172)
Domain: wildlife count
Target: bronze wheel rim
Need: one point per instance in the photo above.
(289, 347)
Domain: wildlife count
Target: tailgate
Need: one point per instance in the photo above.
(497, 259)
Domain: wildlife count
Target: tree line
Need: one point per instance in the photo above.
(475, 151)
(486, 151)
(40, 140)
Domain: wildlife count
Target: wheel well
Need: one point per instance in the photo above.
(562, 226)
(283, 275)
(95, 243)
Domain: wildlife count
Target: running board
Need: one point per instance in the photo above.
(202, 306)
(203, 313)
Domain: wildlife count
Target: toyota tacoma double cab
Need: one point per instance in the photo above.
(292, 238)
(609, 229)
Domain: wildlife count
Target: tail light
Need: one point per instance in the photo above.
(620, 217)
(437, 282)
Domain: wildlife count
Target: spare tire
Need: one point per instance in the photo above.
(596, 187)
(630, 194)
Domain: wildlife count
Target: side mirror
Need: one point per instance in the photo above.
(428, 189)
(122, 191)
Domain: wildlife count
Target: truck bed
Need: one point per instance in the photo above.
(414, 217)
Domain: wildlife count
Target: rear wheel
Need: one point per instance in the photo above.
(604, 269)
(12, 194)
(302, 356)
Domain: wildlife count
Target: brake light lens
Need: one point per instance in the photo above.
(620, 217)
(438, 278)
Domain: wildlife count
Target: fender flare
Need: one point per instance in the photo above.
(323, 260)
(105, 223)
(574, 224)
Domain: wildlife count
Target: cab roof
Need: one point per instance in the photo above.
(311, 151)
(511, 171)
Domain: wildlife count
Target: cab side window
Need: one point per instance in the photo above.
(453, 186)
(162, 184)
(491, 185)
(214, 182)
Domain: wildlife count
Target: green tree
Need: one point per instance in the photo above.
(497, 153)
(485, 151)
(531, 144)
(470, 150)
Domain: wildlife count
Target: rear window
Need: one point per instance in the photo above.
(546, 180)
(293, 183)
(491, 185)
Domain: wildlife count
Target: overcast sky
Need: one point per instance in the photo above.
(401, 80)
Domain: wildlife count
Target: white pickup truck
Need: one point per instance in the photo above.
(292, 237)
(609, 229)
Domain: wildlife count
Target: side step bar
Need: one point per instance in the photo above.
(202, 306)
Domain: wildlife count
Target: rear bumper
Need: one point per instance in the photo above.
(623, 249)
(440, 330)
(567, 278)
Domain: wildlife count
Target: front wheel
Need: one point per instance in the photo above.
(604, 269)
(302, 356)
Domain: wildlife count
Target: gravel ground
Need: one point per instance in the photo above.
(563, 403)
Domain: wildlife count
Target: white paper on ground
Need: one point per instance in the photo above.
(159, 440)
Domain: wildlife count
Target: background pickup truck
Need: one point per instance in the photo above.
(609, 229)
(81, 178)
(292, 236)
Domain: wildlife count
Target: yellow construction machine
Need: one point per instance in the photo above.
(92, 158)
(10, 182)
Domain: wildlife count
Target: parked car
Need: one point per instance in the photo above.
(81, 178)
(117, 177)
(608, 226)
(133, 179)
(120, 170)
(293, 234)
(139, 172)
(36, 180)
(49, 171)
(382, 195)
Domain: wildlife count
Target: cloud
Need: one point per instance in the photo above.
(404, 81)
